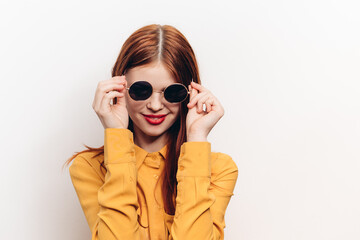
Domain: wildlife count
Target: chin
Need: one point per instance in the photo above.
(154, 131)
(154, 134)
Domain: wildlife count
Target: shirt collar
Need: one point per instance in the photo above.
(141, 154)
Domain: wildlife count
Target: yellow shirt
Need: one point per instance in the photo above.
(110, 199)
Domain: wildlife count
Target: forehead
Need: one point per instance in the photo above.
(156, 73)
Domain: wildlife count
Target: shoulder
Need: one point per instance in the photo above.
(87, 162)
(222, 164)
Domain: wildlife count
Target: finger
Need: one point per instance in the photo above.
(113, 82)
(216, 106)
(208, 106)
(103, 90)
(193, 93)
(215, 103)
(116, 79)
(198, 87)
(200, 103)
(105, 87)
(106, 101)
(193, 101)
(121, 100)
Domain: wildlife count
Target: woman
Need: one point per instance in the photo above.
(155, 177)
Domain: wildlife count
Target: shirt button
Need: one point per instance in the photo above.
(156, 176)
(181, 168)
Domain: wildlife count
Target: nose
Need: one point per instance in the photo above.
(155, 101)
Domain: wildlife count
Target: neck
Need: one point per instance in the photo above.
(150, 143)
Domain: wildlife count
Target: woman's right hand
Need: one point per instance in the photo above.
(111, 116)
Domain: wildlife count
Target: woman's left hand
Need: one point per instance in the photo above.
(199, 122)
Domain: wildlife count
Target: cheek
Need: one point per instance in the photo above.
(132, 106)
(175, 109)
(128, 104)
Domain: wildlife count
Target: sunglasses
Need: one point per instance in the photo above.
(142, 90)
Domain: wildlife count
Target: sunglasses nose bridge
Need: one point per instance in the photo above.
(157, 91)
(156, 102)
(161, 95)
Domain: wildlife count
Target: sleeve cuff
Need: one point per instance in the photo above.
(194, 159)
(118, 146)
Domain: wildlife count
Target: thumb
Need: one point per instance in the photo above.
(121, 99)
(193, 92)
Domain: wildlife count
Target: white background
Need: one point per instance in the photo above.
(286, 72)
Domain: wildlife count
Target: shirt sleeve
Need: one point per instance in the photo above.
(202, 199)
(110, 207)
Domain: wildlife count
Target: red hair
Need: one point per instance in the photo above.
(166, 44)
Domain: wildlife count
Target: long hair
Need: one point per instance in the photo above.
(166, 44)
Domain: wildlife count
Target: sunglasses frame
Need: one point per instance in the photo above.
(163, 91)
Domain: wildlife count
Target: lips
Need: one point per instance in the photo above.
(155, 119)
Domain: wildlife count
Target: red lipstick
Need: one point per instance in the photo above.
(155, 119)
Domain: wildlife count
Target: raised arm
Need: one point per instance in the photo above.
(110, 206)
(203, 192)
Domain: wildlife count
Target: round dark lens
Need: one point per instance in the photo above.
(175, 93)
(140, 90)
